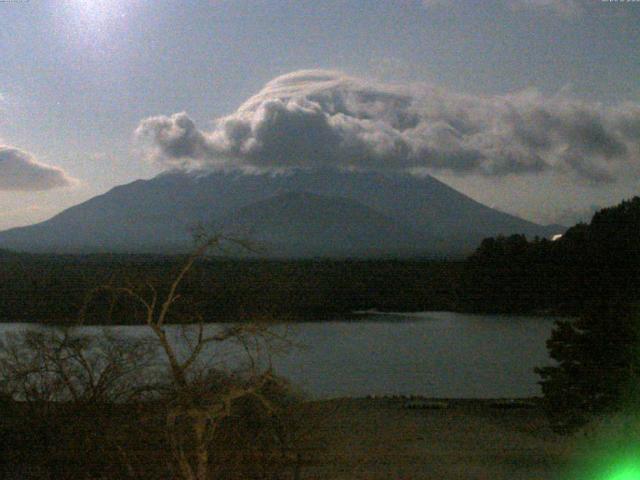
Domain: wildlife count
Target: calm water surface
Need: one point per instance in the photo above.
(436, 354)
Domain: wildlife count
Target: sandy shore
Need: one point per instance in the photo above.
(467, 439)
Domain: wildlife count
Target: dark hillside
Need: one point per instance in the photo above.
(53, 288)
(591, 263)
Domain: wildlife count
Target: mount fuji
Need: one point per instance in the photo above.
(304, 213)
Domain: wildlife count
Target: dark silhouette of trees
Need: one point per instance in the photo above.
(186, 401)
(64, 364)
(597, 354)
(598, 260)
(64, 392)
(512, 275)
(591, 273)
(52, 288)
(597, 371)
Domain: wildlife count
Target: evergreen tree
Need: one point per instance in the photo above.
(597, 367)
(598, 354)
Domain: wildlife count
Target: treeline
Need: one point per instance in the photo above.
(591, 265)
(41, 288)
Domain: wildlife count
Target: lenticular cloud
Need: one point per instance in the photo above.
(324, 118)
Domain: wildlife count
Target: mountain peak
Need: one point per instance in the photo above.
(367, 211)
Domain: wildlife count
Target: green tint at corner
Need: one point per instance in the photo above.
(610, 451)
(622, 467)
(629, 471)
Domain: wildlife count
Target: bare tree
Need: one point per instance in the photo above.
(64, 364)
(62, 387)
(203, 400)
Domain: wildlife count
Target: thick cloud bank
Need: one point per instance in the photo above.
(325, 118)
(19, 171)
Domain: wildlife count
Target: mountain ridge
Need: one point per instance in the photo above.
(155, 215)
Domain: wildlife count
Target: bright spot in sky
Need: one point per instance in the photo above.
(557, 236)
(95, 15)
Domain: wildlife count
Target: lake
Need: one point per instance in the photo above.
(435, 354)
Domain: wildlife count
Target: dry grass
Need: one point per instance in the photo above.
(372, 439)
(379, 439)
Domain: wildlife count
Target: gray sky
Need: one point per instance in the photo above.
(530, 106)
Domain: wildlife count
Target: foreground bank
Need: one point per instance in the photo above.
(364, 438)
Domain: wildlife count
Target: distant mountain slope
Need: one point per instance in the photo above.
(304, 224)
(392, 212)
